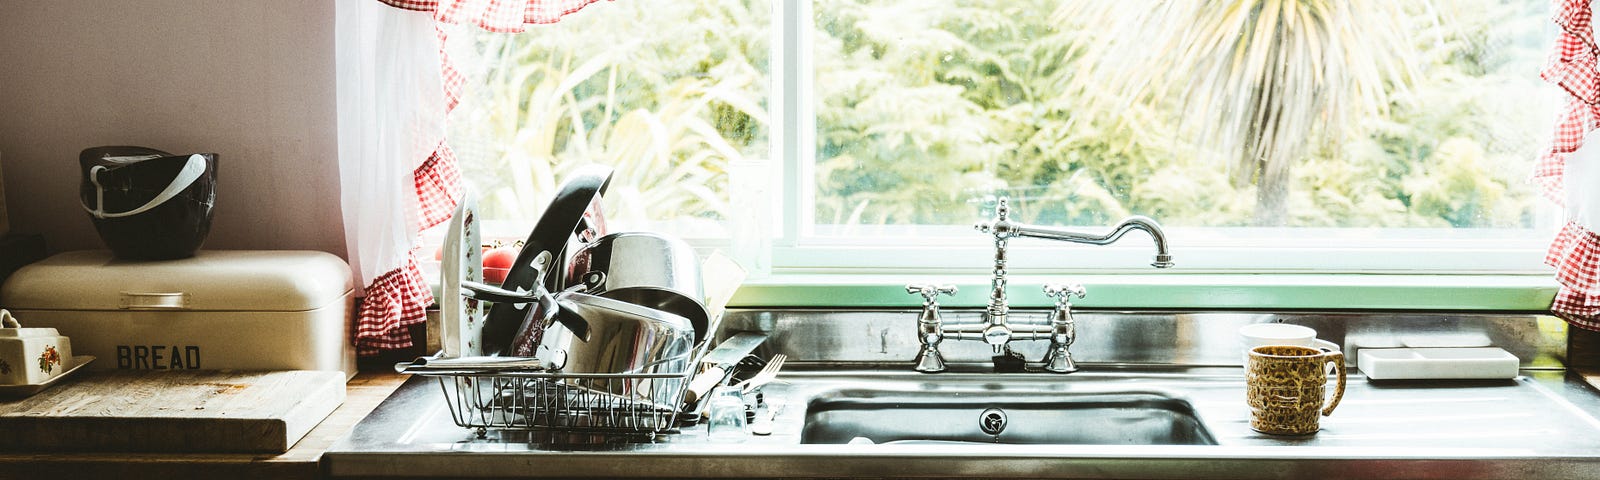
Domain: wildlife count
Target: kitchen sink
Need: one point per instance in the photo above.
(1158, 396)
(918, 417)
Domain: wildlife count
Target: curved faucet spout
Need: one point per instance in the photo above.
(1002, 228)
(1163, 257)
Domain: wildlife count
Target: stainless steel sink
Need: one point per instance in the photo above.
(1160, 396)
(1112, 418)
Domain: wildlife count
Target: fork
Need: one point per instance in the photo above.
(767, 374)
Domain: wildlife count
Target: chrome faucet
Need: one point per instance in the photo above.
(995, 329)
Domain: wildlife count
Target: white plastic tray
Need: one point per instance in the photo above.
(1436, 363)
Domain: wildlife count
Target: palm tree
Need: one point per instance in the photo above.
(1265, 82)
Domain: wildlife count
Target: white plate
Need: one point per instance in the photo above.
(460, 318)
(28, 389)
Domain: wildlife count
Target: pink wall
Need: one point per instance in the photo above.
(250, 80)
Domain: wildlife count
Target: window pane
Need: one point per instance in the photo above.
(1415, 114)
(668, 93)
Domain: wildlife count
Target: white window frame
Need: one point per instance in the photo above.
(795, 248)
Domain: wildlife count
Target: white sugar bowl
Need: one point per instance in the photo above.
(31, 355)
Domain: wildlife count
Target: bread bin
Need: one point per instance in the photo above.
(220, 309)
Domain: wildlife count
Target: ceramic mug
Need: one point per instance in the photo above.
(1286, 388)
(1258, 334)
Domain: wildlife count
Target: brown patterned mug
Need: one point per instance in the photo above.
(1286, 386)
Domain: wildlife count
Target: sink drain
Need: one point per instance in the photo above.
(992, 421)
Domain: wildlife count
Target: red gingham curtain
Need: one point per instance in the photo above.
(505, 16)
(398, 299)
(1576, 250)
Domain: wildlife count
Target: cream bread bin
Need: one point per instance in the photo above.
(218, 310)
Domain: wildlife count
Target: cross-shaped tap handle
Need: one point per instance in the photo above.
(930, 292)
(1063, 293)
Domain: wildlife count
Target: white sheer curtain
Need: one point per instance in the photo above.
(391, 120)
(397, 174)
(1581, 181)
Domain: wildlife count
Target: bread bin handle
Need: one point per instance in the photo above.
(154, 301)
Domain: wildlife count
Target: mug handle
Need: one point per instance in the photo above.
(1337, 359)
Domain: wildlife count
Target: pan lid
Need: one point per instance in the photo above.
(212, 280)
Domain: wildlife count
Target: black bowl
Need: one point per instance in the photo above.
(129, 178)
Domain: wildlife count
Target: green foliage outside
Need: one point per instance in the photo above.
(666, 93)
(929, 106)
(927, 109)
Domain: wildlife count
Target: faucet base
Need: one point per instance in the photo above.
(930, 361)
(1059, 360)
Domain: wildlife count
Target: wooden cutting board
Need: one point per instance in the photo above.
(173, 411)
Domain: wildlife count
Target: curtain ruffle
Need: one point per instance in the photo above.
(1571, 128)
(1572, 65)
(1573, 69)
(438, 183)
(1579, 310)
(1574, 17)
(1576, 255)
(395, 300)
(504, 16)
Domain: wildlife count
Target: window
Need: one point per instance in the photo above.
(870, 134)
(670, 94)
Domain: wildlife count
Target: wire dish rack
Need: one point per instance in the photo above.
(609, 403)
(614, 403)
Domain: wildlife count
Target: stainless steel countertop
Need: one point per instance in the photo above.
(1539, 425)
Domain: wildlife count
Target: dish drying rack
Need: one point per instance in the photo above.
(534, 399)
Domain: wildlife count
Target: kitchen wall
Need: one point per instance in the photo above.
(250, 80)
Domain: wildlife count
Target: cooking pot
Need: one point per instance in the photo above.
(598, 335)
(646, 269)
(584, 335)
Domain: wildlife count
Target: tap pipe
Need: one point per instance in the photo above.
(1163, 257)
(1002, 229)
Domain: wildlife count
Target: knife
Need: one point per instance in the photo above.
(722, 359)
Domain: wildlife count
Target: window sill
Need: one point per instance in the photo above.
(1212, 291)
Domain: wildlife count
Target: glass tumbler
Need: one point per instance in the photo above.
(725, 416)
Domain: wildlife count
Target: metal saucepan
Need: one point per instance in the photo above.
(646, 269)
(617, 337)
(586, 333)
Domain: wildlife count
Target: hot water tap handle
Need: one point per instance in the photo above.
(930, 292)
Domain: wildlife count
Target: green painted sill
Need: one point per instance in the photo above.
(1522, 293)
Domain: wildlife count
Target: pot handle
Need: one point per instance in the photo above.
(192, 171)
(489, 293)
(569, 318)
